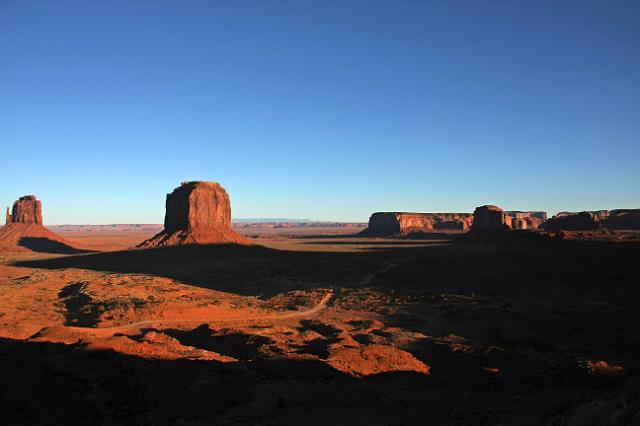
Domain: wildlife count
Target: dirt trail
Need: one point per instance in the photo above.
(136, 326)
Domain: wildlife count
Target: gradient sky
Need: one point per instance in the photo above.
(325, 110)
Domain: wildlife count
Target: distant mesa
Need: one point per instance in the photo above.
(197, 212)
(620, 219)
(485, 219)
(566, 221)
(490, 219)
(24, 230)
(383, 224)
(623, 219)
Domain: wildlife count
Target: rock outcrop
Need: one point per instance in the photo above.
(197, 213)
(620, 219)
(26, 210)
(402, 223)
(517, 214)
(490, 219)
(24, 230)
(623, 219)
(8, 218)
(525, 220)
(566, 221)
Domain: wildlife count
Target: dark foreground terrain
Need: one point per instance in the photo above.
(324, 330)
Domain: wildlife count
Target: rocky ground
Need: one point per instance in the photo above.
(322, 330)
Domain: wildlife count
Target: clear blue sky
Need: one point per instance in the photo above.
(326, 110)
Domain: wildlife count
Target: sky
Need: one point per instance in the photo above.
(326, 110)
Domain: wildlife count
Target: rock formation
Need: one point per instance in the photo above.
(523, 215)
(566, 221)
(620, 219)
(27, 210)
(24, 230)
(8, 219)
(196, 213)
(489, 219)
(402, 223)
(623, 219)
(525, 220)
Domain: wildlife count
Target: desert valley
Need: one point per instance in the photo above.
(485, 317)
(299, 213)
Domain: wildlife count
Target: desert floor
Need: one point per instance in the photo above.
(321, 329)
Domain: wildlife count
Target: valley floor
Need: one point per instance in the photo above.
(324, 329)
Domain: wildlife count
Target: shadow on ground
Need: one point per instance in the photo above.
(510, 326)
(244, 270)
(64, 384)
(79, 310)
(226, 342)
(45, 245)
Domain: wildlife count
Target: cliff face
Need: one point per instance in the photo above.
(197, 205)
(620, 219)
(489, 219)
(484, 219)
(517, 214)
(26, 210)
(525, 220)
(196, 213)
(623, 219)
(566, 221)
(402, 223)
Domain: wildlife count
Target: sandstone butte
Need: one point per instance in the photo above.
(490, 219)
(197, 212)
(24, 231)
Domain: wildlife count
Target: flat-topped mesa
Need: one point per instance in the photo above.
(196, 213)
(582, 221)
(490, 219)
(623, 219)
(26, 210)
(403, 223)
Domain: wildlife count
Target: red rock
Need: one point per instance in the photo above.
(27, 210)
(402, 223)
(8, 219)
(583, 221)
(374, 359)
(197, 213)
(24, 230)
(623, 219)
(489, 219)
(526, 220)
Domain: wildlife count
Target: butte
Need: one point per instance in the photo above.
(197, 213)
(24, 231)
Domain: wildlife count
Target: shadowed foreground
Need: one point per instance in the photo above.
(432, 333)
